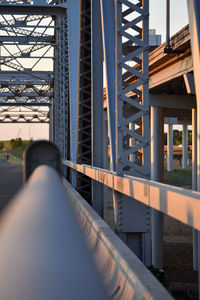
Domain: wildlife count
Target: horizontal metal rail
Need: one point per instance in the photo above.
(43, 254)
(178, 203)
(125, 276)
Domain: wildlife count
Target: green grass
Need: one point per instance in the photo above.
(12, 158)
(178, 177)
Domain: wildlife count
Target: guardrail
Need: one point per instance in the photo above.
(178, 203)
(43, 254)
(43, 251)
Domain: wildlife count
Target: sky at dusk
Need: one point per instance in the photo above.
(179, 19)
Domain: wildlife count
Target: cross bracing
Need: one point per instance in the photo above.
(26, 67)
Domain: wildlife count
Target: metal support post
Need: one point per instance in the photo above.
(108, 31)
(131, 218)
(157, 170)
(51, 123)
(185, 146)
(194, 182)
(167, 23)
(97, 103)
(170, 147)
(194, 22)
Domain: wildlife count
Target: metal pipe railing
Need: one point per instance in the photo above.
(43, 254)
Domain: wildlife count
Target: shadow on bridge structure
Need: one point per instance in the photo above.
(51, 71)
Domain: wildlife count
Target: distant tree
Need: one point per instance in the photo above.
(189, 137)
(165, 138)
(1, 145)
(177, 137)
(16, 144)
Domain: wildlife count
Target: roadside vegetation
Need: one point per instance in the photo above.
(14, 148)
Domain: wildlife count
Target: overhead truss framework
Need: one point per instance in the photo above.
(34, 50)
(26, 64)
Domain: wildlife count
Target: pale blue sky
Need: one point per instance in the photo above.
(179, 19)
(179, 16)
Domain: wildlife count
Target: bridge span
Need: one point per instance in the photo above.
(59, 79)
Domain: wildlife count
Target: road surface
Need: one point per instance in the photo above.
(11, 179)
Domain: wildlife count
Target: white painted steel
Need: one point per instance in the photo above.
(176, 202)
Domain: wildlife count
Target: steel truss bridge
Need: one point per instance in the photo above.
(51, 70)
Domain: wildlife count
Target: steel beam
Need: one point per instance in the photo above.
(97, 103)
(84, 130)
(132, 219)
(73, 8)
(194, 183)
(162, 197)
(21, 9)
(194, 23)
(109, 46)
(157, 171)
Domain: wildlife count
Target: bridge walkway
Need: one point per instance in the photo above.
(11, 179)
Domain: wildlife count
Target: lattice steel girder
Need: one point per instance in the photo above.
(25, 94)
(60, 108)
(84, 149)
(13, 75)
(24, 40)
(97, 103)
(21, 9)
(73, 8)
(26, 103)
(132, 134)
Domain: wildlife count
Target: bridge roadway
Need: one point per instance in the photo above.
(11, 180)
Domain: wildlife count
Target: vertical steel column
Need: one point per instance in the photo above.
(51, 123)
(167, 23)
(132, 30)
(170, 147)
(108, 30)
(61, 86)
(157, 170)
(97, 103)
(194, 22)
(84, 146)
(194, 182)
(73, 8)
(185, 146)
(57, 75)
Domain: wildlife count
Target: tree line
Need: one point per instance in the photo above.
(178, 137)
(15, 144)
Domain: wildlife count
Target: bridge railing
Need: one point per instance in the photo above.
(43, 254)
(46, 252)
(178, 203)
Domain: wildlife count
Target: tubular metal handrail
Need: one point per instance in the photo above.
(43, 254)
